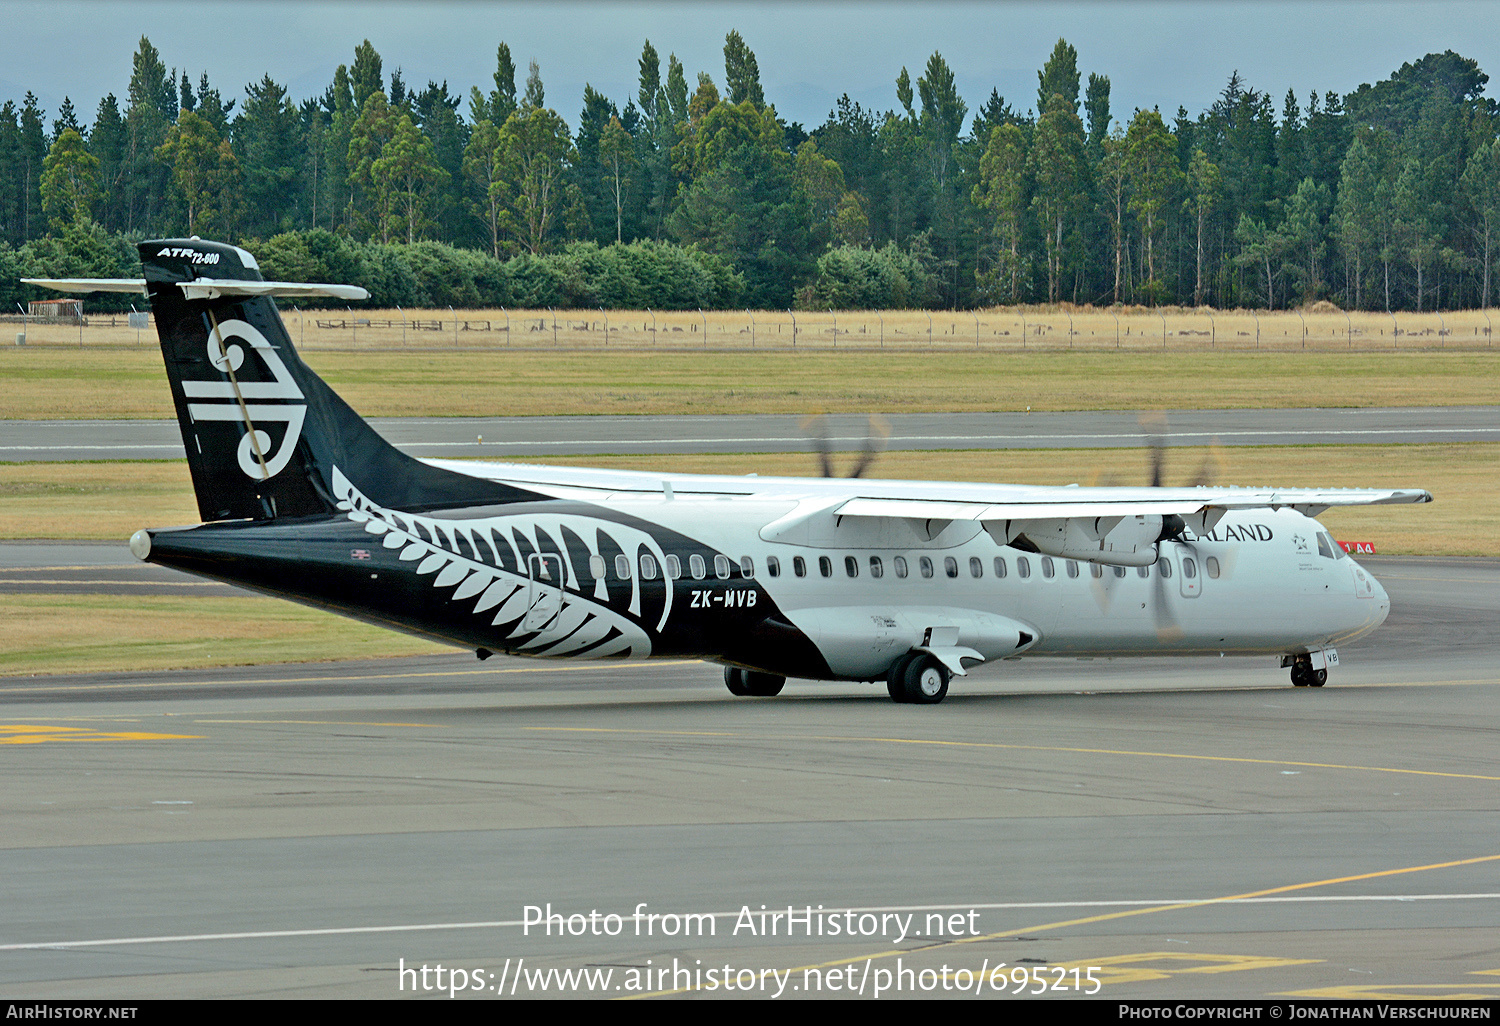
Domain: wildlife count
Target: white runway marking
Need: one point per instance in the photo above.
(504, 923)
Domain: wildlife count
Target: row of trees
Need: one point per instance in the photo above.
(1386, 197)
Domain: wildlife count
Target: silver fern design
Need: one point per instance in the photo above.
(521, 567)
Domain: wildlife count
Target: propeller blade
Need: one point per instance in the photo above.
(817, 431)
(1213, 463)
(1167, 627)
(1152, 424)
(878, 431)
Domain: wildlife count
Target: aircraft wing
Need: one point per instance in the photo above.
(206, 288)
(1066, 503)
(1115, 526)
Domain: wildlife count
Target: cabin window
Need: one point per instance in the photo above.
(851, 566)
(773, 566)
(976, 566)
(900, 564)
(696, 567)
(877, 567)
(674, 567)
(721, 567)
(1048, 570)
(925, 565)
(1211, 564)
(1096, 570)
(799, 566)
(999, 566)
(1164, 567)
(596, 567)
(648, 567)
(622, 567)
(825, 566)
(1072, 568)
(1189, 567)
(950, 566)
(1023, 567)
(1143, 571)
(747, 567)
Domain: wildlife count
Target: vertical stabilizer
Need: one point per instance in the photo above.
(262, 431)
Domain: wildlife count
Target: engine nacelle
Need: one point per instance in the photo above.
(1113, 541)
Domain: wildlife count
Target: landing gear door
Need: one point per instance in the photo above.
(545, 590)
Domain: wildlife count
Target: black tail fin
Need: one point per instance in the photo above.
(263, 433)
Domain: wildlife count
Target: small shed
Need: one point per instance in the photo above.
(57, 311)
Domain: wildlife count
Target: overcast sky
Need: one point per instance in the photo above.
(1155, 53)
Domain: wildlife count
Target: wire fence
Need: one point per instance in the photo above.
(1003, 330)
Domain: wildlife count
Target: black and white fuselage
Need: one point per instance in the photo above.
(902, 581)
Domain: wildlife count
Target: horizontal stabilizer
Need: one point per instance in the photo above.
(207, 288)
(137, 285)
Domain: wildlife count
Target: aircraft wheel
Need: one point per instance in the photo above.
(895, 677)
(763, 685)
(926, 681)
(1302, 671)
(734, 680)
(1318, 678)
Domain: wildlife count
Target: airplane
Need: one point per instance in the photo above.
(909, 583)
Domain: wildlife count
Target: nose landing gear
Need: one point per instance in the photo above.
(1303, 673)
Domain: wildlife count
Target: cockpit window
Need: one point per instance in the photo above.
(1325, 545)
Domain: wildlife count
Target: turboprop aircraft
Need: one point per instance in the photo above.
(905, 582)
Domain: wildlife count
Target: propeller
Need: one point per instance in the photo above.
(1154, 426)
(878, 431)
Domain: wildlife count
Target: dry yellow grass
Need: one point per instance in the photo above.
(91, 633)
(1000, 328)
(127, 383)
(111, 500)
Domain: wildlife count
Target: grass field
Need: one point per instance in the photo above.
(130, 383)
(1008, 329)
(91, 633)
(111, 500)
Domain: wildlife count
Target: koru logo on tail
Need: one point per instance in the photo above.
(291, 409)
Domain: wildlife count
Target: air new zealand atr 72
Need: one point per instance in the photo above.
(825, 578)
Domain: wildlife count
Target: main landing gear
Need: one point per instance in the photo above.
(1303, 674)
(752, 683)
(917, 678)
